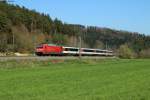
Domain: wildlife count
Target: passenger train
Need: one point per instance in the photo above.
(55, 50)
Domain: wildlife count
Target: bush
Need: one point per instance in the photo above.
(145, 53)
(125, 52)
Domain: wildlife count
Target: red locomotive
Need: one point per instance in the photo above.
(50, 49)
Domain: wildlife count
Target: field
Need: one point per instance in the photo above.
(75, 80)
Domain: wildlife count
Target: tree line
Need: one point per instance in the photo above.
(22, 29)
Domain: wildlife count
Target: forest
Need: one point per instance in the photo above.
(21, 30)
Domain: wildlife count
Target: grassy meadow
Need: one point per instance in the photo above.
(113, 79)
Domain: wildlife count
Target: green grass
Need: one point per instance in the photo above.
(75, 80)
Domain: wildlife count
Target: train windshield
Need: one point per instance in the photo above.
(39, 47)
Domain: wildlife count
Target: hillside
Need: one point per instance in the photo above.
(22, 29)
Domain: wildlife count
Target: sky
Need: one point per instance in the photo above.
(129, 15)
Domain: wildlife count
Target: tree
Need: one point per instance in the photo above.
(30, 23)
(59, 39)
(145, 53)
(5, 23)
(58, 25)
(125, 52)
(99, 45)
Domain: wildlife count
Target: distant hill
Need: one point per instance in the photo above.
(22, 29)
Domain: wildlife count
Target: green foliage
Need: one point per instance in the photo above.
(125, 52)
(145, 53)
(58, 25)
(59, 39)
(4, 23)
(58, 32)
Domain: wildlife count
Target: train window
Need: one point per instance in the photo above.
(65, 49)
(51, 44)
(101, 51)
(88, 50)
(39, 47)
(70, 49)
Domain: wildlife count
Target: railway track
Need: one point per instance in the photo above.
(49, 58)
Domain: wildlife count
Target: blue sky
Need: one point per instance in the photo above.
(130, 15)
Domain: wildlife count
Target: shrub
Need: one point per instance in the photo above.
(145, 53)
(125, 52)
